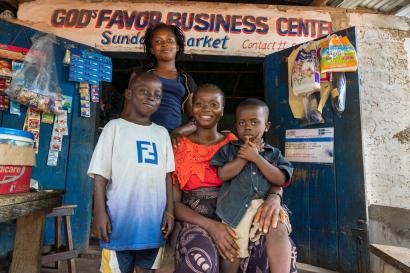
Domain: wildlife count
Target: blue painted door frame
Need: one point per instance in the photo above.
(70, 174)
(327, 200)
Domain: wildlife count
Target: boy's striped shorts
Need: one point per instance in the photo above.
(115, 261)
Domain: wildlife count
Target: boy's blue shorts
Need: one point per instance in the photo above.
(115, 261)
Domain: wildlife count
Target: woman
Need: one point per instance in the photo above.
(200, 238)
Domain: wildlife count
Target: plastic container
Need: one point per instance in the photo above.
(15, 178)
(16, 137)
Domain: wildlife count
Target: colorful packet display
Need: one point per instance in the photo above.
(5, 78)
(305, 74)
(68, 102)
(56, 137)
(56, 142)
(52, 158)
(338, 55)
(13, 52)
(4, 98)
(4, 83)
(4, 102)
(326, 76)
(32, 125)
(85, 99)
(47, 118)
(15, 105)
(89, 67)
(60, 129)
(5, 69)
(15, 108)
(16, 67)
(62, 123)
(95, 93)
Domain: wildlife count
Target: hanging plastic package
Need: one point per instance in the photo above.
(327, 76)
(338, 55)
(305, 79)
(306, 74)
(312, 114)
(339, 92)
(36, 84)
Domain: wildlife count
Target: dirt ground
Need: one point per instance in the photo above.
(87, 265)
(93, 265)
(89, 262)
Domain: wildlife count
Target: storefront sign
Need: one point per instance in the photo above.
(210, 28)
(310, 145)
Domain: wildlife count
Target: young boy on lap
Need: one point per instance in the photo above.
(251, 169)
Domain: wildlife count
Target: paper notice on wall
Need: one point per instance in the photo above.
(310, 145)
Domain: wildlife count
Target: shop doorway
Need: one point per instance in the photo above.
(327, 200)
(238, 77)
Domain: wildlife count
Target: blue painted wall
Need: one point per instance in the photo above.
(70, 174)
(327, 200)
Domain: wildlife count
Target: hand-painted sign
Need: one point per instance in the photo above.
(210, 28)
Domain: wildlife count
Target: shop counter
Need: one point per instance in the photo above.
(30, 210)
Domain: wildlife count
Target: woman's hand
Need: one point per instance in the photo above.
(224, 238)
(102, 226)
(167, 223)
(269, 213)
(183, 131)
(176, 137)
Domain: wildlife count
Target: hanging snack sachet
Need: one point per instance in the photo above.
(305, 73)
(338, 55)
(84, 90)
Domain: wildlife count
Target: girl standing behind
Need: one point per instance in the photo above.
(163, 44)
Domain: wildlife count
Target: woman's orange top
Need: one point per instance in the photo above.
(192, 167)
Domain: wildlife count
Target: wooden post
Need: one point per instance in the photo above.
(28, 243)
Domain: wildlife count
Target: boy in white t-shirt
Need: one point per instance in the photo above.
(131, 167)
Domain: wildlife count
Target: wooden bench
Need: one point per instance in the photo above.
(397, 257)
(30, 210)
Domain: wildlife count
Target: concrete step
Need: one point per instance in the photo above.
(94, 253)
(307, 268)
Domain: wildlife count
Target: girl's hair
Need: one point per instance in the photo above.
(179, 36)
(213, 87)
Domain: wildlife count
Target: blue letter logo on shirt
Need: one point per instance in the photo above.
(147, 152)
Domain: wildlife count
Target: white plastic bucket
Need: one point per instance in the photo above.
(16, 137)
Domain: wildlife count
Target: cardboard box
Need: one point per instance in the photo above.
(15, 168)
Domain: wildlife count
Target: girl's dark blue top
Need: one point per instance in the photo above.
(169, 113)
